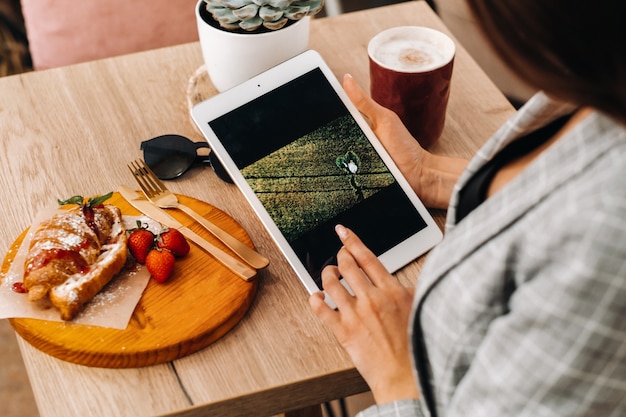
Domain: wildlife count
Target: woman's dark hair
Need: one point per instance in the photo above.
(572, 49)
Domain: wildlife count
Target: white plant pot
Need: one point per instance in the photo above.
(232, 58)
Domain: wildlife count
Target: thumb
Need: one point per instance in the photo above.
(363, 102)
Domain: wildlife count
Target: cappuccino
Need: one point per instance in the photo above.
(410, 73)
(411, 49)
(410, 55)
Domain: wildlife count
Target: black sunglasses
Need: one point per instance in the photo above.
(170, 156)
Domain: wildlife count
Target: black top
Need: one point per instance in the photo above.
(475, 190)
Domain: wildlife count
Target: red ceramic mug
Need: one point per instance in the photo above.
(410, 73)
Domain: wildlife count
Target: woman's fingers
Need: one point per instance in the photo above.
(382, 120)
(403, 148)
(361, 100)
(357, 264)
(333, 287)
(323, 310)
(371, 325)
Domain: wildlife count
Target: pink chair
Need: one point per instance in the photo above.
(64, 32)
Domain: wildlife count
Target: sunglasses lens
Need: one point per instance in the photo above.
(171, 166)
(169, 156)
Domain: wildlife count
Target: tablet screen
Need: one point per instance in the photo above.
(312, 167)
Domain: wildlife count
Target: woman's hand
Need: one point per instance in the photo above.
(432, 177)
(372, 324)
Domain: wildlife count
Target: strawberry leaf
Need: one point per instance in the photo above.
(140, 226)
(77, 199)
(80, 200)
(96, 201)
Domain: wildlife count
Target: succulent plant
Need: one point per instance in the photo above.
(251, 15)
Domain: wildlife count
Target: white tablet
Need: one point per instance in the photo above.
(306, 160)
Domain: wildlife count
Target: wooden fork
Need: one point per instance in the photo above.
(158, 194)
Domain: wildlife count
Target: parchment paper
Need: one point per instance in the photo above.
(112, 307)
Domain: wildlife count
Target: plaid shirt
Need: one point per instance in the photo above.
(521, 309)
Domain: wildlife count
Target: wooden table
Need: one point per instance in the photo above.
(72, 131)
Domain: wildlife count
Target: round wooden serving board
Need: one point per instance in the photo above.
(200, 303)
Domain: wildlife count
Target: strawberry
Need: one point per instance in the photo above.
(160, 264)
(140, 242)
(174, 241)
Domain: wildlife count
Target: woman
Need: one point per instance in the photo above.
(521, 310)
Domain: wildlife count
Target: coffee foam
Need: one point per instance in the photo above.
(406, 51)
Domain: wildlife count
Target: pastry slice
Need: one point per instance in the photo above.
(74, 254)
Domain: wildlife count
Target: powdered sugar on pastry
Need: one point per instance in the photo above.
(74, 255)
